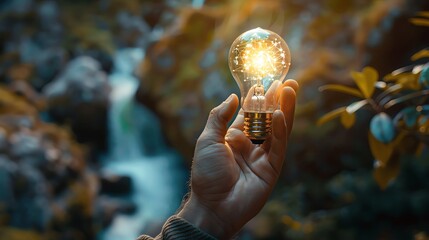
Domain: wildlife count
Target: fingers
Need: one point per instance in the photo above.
(287, 105)
(288, 83)
(282, 124)
(287, 99)
(217, 122)
(278, 141)
(270, 96)
(247, 101)
(291, 83)
(239, 120)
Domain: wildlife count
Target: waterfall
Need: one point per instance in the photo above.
(137, 149)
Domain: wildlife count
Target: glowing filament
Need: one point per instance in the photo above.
(263, 58)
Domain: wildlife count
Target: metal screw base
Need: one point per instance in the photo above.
(257, 126)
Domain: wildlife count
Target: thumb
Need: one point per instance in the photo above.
(217, 123)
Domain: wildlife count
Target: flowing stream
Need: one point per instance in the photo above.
(137, 149)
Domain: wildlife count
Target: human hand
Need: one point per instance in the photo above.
(231, 178)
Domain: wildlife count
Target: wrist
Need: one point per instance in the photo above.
(205, 219)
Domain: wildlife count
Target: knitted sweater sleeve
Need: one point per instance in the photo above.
(178, 228)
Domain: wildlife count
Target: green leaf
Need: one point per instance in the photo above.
(410, 116)
(366, 80)
(420, 54)
(348, 119)
(330, 115)
(343, 89)
(380, 151)
(382, 128)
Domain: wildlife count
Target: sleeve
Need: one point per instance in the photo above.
(178, 228)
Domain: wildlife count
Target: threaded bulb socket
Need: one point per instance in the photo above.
(257, 126)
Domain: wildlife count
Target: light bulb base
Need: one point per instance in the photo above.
(257, 126)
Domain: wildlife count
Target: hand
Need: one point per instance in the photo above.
(231, 178)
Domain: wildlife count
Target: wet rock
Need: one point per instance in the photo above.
(24, 145)
(108, 208)
(116, 185)
(7, 170)
(80, 96)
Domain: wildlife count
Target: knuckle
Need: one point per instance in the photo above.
(213, 112)
(216, 117)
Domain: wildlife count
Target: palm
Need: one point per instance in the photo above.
(234, 176)
(231, 177)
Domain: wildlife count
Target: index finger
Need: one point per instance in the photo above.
(239, 120)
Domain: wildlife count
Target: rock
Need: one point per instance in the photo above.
(31, 199)
(7, 169)
(82, 72)
(24, 144)
(116, 185)
(80, 96)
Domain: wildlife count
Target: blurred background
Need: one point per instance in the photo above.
(101, 103)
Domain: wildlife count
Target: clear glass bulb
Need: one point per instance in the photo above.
(259, 60)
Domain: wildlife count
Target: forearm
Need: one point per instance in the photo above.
(203, 218)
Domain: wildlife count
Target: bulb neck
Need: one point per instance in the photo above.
(257, 126)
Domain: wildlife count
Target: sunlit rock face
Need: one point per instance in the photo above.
(183, 76)
(80, 96)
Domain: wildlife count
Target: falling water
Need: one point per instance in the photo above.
(137, 149)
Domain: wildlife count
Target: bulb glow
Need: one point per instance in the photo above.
(259, 61)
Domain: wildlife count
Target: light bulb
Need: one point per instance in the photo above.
(259, 60)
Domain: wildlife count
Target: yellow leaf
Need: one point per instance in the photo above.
(384, 175)
(366, 80)
(420, 54)
(420, 22)
(391, 77)
(410, 82)
(423, 14)
(419, 149)
(11, 233)
(371, 75)
(330, 115)
(380, 151)
(348, 119)
(343, 89)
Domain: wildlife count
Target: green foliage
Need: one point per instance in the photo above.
(400, 105)
(422, 19)
(343, 89)
(18, 234)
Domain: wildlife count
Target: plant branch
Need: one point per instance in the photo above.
(404, 98)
